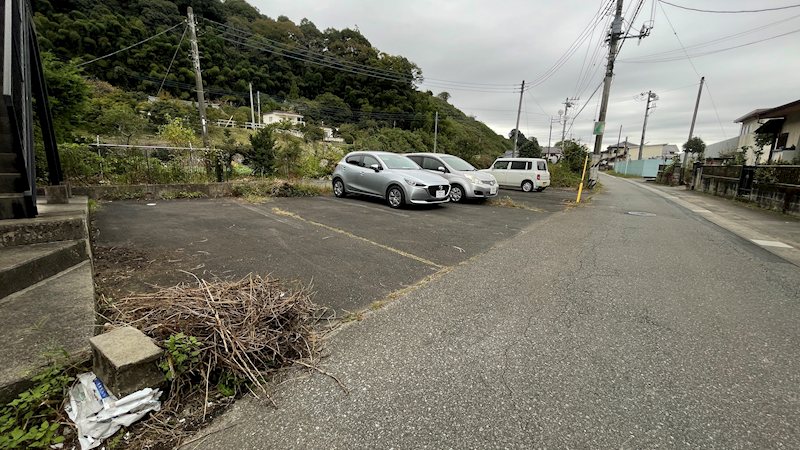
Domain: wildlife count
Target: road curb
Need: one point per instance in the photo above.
(754, 237)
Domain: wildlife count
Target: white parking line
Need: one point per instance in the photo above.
(771, 243)
(701, 211)
(371, 208)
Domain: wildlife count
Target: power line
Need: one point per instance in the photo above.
(719, 39)
(711, 97)
(710, 52)
(242, 37)
(741, 11)
(588, 30)
(178, 47)
(130, 46)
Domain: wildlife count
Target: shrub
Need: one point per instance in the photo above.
(562, 176)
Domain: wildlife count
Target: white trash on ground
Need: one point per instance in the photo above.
(98, 414)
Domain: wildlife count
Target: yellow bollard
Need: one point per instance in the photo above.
(583, 175)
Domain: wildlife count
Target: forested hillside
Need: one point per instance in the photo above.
(331, 76)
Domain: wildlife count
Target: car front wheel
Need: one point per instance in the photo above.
(395, 197)
(338, 188)
(527, 186)
(456, 193)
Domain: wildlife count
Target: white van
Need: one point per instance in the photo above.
(526, 173)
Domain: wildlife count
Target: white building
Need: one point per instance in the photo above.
(280, 116)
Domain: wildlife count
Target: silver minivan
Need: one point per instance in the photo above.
(465, 180)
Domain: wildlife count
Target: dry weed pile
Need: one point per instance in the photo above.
(241, 330)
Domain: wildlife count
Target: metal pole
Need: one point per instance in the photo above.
(252, 110)
(258, 95)
(564, 129)
(644, 127)
(691, 128)
(616, 32)
(198, 77)
(435, 131)
(516, 128)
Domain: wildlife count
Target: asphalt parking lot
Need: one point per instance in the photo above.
(353, 251)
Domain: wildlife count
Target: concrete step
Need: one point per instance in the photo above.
(22, 266)
(12, 182)
(15, 206)
(43, 229)
(43, 323)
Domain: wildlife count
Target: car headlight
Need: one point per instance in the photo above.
(412, 182)
(472, 178)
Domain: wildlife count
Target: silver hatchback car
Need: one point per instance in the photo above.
(391, 176)
(465, 180)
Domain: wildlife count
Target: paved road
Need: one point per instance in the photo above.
(353, 251)
(592, 329)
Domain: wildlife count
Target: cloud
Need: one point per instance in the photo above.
(506, 42)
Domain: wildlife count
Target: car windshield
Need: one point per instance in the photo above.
(457, 163)
(398, 162)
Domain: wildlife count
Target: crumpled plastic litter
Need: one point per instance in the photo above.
(98, 414)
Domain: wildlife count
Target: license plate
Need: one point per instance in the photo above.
(493, 190)
(440, 193)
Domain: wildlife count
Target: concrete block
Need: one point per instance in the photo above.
(57, 194)
(126, 361)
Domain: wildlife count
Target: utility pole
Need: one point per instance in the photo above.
(650, 96)
(435, 131)
(567, 105)
(516, 128)
(198, 78)
(258, 96)
(613, 45)
(252, 109)
(691, 128)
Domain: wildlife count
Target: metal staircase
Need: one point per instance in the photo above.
(22, 81)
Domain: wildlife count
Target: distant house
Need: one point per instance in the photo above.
(280, 116)
(614, 153)
(719, 152)
(783, 122)
(654, 151)
(328, 135)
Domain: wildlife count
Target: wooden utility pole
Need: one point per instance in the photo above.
(613, 45)
(650, 96)
(198, 78)
(691, 127)
(516, 128)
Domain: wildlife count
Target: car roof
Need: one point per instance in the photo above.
(427, 154)
(520, 159)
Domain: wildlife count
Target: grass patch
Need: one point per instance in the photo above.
(274, 187)
(508, 202)
(562, 177)
(622, 175)
(171, 195)
(93, 206)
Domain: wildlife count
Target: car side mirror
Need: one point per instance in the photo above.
(441, 169)
(375, 167)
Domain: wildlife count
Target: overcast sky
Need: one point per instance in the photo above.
(502, 43)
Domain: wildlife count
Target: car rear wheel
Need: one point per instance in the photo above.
(338, 188)
(456, 193)
(527, 186)
(395, 197)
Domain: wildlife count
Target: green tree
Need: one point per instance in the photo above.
(261, 157)
(763, 140)
(530, 148)
(574, 155)
(288, 155)
(445, 96)
(313, 133)
(68, 94)
(177, 133)
(695, 145)
(122, 120)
